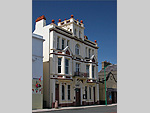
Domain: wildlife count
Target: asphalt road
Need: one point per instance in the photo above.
(101, 109)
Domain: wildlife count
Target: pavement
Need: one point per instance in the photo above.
(70, 108)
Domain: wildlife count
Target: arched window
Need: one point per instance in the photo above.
(77, 49)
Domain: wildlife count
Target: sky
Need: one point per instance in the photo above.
(99, 18)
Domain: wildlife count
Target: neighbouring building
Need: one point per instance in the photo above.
(37, 71)
(111, 83)
(70, 63)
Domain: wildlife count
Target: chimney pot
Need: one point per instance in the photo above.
(53, 21)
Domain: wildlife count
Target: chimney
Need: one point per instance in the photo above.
(105, 63)
(40, 22)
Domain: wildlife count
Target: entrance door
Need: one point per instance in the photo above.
(78, 97)
(94, 94)
(57, 93)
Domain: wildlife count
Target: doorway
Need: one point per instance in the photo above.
(78, 97)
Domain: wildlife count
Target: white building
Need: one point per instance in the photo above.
(70, 63)
(37, 71)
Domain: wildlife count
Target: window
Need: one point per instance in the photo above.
(58, 43)
(75, 32)
(89, 53)
(68, 92)
(79, 34)
(92, 71)
(86, 51)
(77, 49)
(63, 92)
(92, 52)
(85, 92)
(59, 65)
(87, 70)
(63, 43)
(77, 67)
(67, 42)
(66, 66)
(90, 92)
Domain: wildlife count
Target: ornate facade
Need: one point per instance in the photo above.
(70, 63)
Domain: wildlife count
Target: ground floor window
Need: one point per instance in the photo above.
(85, 92)
(63, 92)
(68, 92)
(90, 92)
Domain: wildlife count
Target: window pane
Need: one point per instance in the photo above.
(87, 70)
(63, 92)
(62, 43)
(57, 43)
(66, 66)
(90, 92)
(92, 71)
(85, 92)
(59, 65)
(68, 92)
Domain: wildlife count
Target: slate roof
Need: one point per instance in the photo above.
(110, 68)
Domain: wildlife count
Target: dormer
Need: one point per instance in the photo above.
(76, 27)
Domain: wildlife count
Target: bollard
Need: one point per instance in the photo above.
(56, 104)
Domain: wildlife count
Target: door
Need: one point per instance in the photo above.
(78, 97)
(57, 93)
(94, 94)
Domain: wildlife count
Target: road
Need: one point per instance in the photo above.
(101, 109)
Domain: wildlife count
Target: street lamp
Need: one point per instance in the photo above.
(105, 85)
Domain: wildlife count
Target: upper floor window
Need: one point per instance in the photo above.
(66, 66)
(89, 53)
(77, 67)
(59, 65)
(77, 49)
(67, 42)
(87, 70)
(63, 43)
(79, 34)
(86, 51)
(75, 32)
(58, 43)
(92, 71)
(92, 52)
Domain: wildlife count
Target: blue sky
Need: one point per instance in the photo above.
(99, 18)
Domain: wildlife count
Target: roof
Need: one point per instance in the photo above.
(110, 68)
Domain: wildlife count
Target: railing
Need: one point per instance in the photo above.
(80, 74)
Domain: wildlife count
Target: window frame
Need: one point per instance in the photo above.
(58, 43)
(59, 64)
(88, 73)
(77, 49)
(66, 66)
(63, 43)
(77, 67)
(90, 95)
(69, 92)
(63, 92)
(93, 71)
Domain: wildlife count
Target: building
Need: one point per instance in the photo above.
(37, 71)
(111, 83)
(70, 63)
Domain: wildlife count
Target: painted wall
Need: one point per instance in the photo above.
(37, 71)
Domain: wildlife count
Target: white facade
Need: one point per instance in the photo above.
(68, 55)
(37, 71)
